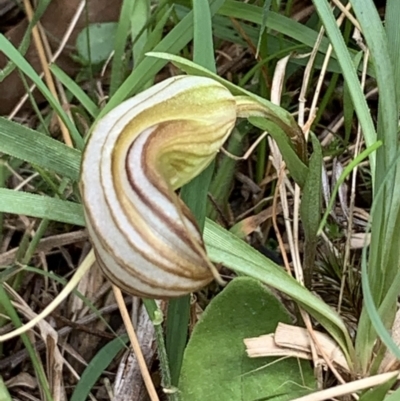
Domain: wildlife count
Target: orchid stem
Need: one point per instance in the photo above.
(157, 319)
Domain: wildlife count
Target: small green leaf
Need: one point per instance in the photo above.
(101, 39)
(216, 366)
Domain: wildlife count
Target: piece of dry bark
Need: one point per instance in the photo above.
(55, 22)
(295, 342)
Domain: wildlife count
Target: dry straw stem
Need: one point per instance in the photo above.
(279, 165)
(72, 283)
(350, 388)
(55, 56)
(135, 344)
(47, 75)
(357, 148)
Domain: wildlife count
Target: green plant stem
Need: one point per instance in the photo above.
(35, 241)
(157, 320)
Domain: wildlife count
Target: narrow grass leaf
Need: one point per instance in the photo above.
(4, 394)
(265, 13)
(384, 255)
(41, 206)
(387, 214)
(12, 53)
(33, 147)
(392, 18)
(373, 323)
(346, 172)
(118, 66)
(298, 170)
(349, 73)
(276, 22)
(203, 46)
(96, 367)
(310, 210)
(139, 19)
(348, 106)
(155, 36)
(37, 365)
(376, 320)
(76, 90)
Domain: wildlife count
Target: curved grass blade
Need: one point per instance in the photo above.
(96, 367)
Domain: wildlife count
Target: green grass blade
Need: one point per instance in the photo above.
(220, 187)
(40, 206)
(12, 53)
(118, 66)
(4, 394)
(310, 210)
(276, 22)
(298, 170)
(374, 315)
(392, 18)
(349, 73)
(13, 315)
(31, 146)
(346, 172)
(384, 257)
(203, 46)
(96, 367)
(76, 90)
(139, 20)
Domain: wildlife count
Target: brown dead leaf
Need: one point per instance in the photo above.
(22, 379)
(250, 224)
